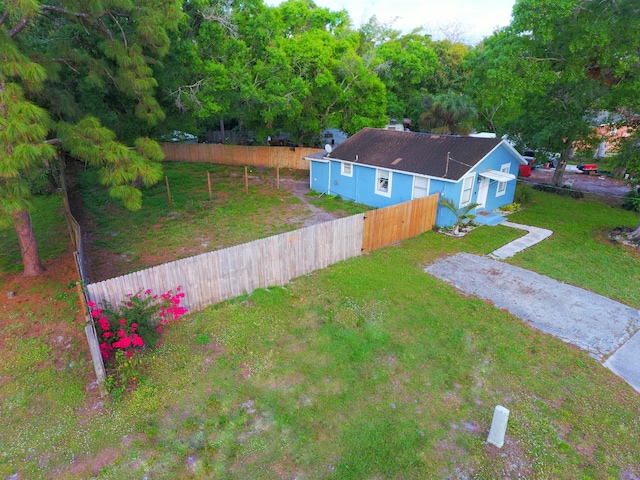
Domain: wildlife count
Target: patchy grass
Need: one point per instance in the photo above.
(367, 369)
(194, 224)
(335, 203)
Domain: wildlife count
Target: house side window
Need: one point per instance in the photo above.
(346, 169)
(502, 186)
(467, 191)
(420, 187)
(383, 182)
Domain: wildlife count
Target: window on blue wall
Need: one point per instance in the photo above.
(346, 169)
(383, 182)
(467, 190)
(502, 186)
(420, 187)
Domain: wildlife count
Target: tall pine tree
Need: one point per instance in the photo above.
(65, 69)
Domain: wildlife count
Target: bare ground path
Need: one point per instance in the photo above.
(299, 188)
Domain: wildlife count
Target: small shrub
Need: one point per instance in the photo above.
(512, 207)
(632, 201)
(202, 339)
(137, 322)
(523, 194)
(135, 325)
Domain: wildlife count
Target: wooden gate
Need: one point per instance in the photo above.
(389, 225)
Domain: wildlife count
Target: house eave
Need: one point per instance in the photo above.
(405, 172)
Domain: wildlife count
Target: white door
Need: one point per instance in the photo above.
(483, 190)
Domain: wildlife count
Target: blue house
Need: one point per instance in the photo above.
(384, 167)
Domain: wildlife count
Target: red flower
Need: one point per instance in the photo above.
(134, 327)
(104, 323)
(128, 353)
(107, 334)
(123, 322)
(121, 333)
(147, 292)
(96, 313)
(105, 350)
(137, 340)
(158, 344)
(159, 329)
(124, 342)
(91, 304)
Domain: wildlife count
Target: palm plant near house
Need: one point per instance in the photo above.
(462, 214)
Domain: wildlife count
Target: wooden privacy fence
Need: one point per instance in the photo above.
(389, 225)
(217, 276)
(271, 157)
(78, 255)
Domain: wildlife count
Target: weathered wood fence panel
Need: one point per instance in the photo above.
(217, 276)
(271, 157)
(389, 225)
(78, 255)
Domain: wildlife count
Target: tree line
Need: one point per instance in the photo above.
(103, 81)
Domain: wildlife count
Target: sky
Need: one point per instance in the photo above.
(478, 18)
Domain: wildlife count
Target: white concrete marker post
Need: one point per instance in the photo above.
(498, 426)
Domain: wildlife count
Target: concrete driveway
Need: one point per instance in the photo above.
(590, 321)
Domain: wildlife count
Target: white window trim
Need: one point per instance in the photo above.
(343, 171)
(473, 181)
(501, 189)
(376, 190)
(413, 187)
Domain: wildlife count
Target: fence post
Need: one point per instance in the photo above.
(209, 184)
(246, 180)
(94, 345)
(166, 179)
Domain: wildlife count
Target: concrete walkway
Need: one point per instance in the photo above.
(601, 326)
(535, 235)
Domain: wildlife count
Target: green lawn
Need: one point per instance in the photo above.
(367, 369)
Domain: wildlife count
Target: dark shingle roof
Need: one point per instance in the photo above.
(421, 153)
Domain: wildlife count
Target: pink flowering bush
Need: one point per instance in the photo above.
(136, 323)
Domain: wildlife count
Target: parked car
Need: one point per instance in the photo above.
(530, 157)
(540, 159)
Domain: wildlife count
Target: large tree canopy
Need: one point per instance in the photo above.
(545, 78)
(289, 69)
(64, 66)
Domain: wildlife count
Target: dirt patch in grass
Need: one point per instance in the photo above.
(21, 295)
(620, 235)
(47, 307)
(90, 467)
